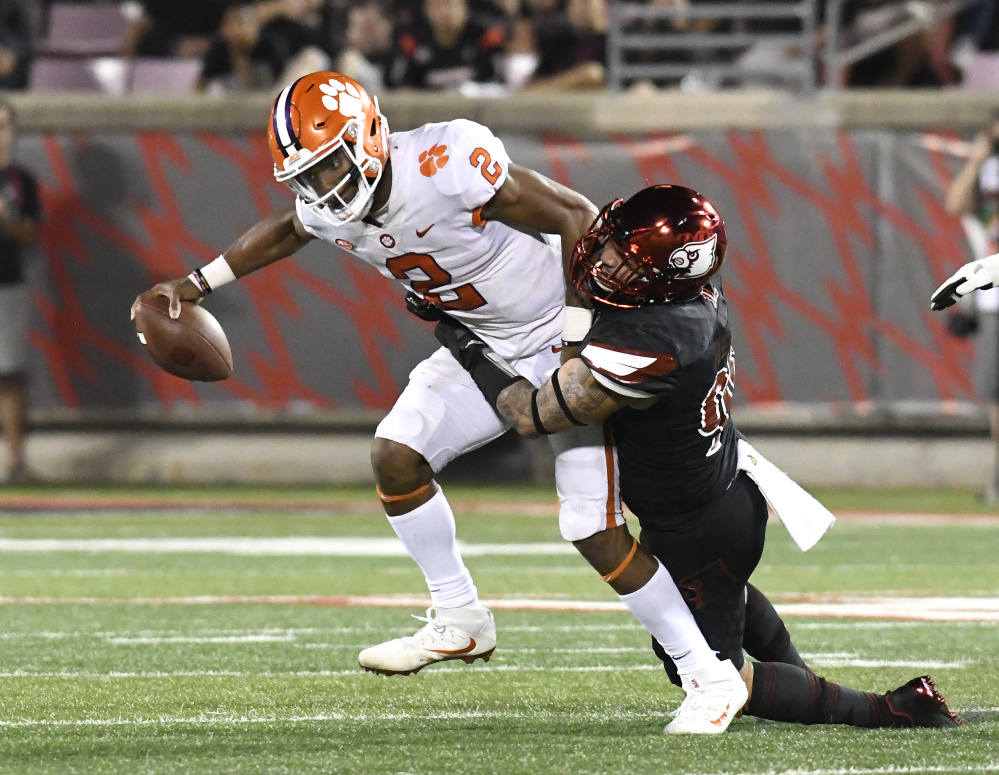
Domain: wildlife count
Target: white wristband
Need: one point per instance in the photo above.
(576, 323)
(217, 273)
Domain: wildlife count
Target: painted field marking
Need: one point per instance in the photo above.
(210, 639)
(298, 546)
(373, 631)
(65, 504)
(76, 503)
(349, 673)
(935, 609)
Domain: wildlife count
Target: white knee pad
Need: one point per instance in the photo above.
(586, 476)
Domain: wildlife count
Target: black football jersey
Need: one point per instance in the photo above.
(680, 453)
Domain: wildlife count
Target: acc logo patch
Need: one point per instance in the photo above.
(387, 240)
(433, 159)
(343, 97)
(344, 244)
(695, 258)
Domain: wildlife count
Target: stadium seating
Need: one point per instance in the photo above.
(165, 76)
(983, 75)
(96, 74)
(83, 29)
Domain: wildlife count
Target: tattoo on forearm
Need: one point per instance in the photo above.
(586, 399)
(514, 404)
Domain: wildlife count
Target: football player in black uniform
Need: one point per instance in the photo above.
(657, 365)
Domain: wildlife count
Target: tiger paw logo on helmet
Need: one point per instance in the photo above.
(433, 159)
(343, 97)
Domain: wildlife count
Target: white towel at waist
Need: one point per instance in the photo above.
(804, 517)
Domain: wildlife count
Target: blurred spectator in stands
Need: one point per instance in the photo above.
(174, 28)
(919, 60)
(260, 43)
(976, 30)
(20, 213)
(295, 34)
(369, 53)
(449, 48)
(239, 59)
(15, 43)
(571, 43)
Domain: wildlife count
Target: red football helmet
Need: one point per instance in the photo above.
(330, 145)
(666, 242)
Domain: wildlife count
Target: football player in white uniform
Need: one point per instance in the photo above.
(430, 208)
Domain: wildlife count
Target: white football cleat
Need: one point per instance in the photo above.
(714, 696)
(450, 633)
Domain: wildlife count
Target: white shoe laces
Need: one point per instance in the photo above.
(704, 702)
(432, 620)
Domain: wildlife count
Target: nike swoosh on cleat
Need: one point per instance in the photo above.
(469, 647)
(718, 721)
(422, 233)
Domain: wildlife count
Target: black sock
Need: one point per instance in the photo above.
(765, 638)
(784, 692)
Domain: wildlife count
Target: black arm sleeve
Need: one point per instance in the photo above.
(490, 373)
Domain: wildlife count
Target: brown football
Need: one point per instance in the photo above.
(193, 346)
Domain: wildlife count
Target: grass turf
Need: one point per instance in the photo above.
(115, 687)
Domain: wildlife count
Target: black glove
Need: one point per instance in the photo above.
(489, 371)
(423, 309)
(962, 324)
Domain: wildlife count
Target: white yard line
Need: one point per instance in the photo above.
(211, 639)
(915, 664)
(929, 609)
(295, 631)
(299, 546)
(349, 673)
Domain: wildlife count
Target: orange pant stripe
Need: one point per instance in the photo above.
(611, 477)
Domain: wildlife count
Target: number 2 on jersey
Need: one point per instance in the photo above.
(464, 298)
(481, 156)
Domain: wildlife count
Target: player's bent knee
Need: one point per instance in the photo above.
(398, 469)
(580, 518)
(606, 550)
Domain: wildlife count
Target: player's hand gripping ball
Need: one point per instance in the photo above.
(193, 346)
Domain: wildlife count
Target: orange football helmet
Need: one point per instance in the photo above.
(329, 141)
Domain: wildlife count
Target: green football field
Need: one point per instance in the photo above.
(194, 631)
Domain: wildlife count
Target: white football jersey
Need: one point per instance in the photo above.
(503, 284)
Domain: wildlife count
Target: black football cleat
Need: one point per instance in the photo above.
(919, 704)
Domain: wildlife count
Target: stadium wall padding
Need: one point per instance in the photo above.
(836, 240)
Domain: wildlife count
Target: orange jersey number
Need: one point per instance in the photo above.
(481, 156)
(463, 298)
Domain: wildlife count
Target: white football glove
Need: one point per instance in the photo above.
(976, 276)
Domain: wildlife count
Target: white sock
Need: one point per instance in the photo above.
(428, 533)
(660, 608)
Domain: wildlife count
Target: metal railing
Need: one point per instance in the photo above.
(840, 52)
(666, 45)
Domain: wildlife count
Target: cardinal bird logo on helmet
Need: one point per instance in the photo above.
(662, 245)
(695, 258)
